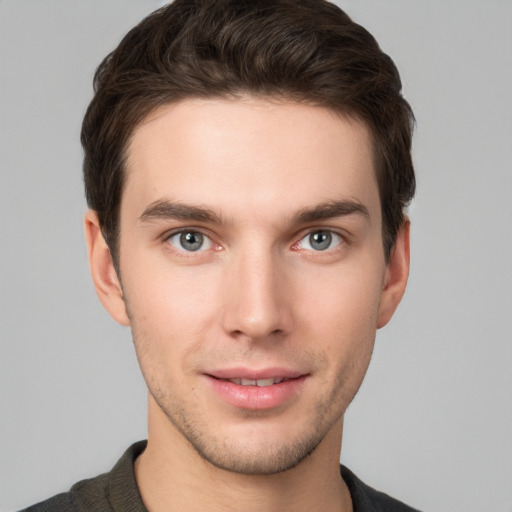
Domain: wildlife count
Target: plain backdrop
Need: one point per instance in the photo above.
(432, 423)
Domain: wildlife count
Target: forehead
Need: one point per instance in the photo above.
(248, 154)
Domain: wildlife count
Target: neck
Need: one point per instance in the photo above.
(172, 476)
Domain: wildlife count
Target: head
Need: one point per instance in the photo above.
(307, 52)
(247, 165)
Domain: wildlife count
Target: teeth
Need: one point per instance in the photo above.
(254, 382)
(265, 382)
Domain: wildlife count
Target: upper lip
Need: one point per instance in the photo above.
(255, 374)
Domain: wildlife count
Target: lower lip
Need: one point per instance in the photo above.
(257, 397)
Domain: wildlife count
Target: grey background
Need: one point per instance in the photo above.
(433, 421)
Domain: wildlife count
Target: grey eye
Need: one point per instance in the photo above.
(190, 241)
(321, 240)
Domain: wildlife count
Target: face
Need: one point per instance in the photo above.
(253, 275)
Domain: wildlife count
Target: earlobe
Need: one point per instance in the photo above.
(397, 273)
(104, 275)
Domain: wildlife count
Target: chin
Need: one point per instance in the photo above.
(255, 449)
(253, 461)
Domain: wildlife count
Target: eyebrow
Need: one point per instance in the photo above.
(163, 209)
(330, 210)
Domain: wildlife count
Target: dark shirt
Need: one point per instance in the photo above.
(117, 491)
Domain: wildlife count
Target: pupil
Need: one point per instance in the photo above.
(191, 241)
(320, 240)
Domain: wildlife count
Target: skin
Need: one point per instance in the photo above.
(256, 178)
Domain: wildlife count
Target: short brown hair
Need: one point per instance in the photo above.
(302, 50)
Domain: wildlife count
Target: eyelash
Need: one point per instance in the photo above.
(178, 236)
(184, 232)
(332, 237)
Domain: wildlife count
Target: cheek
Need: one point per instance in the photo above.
(169, 295)
(341, 316)
(344, 300)
(169, 312)
(345, 331)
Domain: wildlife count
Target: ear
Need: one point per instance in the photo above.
(397, 272)
(104, 275)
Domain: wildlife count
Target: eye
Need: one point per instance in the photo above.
(190, 241)
(320, 240)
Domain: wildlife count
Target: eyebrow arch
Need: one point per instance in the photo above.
(164, 209)
(330, 210)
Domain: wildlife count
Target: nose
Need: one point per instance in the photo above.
(257, 297)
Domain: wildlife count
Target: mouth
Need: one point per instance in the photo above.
(257, 390)
(262, 383)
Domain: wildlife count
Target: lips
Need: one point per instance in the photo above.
(256, 389)
(256, 382)
(275, 373)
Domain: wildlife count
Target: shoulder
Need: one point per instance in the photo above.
(367, 499)
(63, 502)
(88, 494)
(116, 490)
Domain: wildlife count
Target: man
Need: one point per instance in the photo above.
(247, 165)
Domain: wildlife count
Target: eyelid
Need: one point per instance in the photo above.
(179, 231)
(186, 229)
(342, 239)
